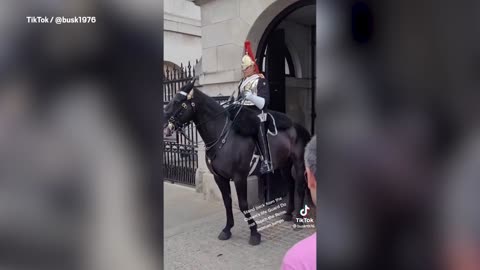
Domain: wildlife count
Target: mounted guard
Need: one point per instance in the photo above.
(229, 147)
(254, 91)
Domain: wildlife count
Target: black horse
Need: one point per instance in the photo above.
(229, 153)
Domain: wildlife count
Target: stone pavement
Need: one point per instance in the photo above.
(192, 242)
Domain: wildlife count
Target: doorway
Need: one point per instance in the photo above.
(286, 56)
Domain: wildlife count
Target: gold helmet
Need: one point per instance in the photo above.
(248, 58)
(247, 62)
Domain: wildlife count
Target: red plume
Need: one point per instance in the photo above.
(248, 51)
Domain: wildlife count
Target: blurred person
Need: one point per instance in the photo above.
(459, 206)
(79, 109)
(376, 204)
(398, 106)
(303, 255)
(42, 185)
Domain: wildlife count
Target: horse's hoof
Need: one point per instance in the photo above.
(255, 239)
(287, 217)
(224, 235)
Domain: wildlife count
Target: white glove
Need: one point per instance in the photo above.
(258, 101)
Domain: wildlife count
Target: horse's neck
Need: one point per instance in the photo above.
(210, 122)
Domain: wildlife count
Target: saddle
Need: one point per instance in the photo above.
(246, 121)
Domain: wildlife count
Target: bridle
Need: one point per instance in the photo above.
(173, 120)
(178, 126)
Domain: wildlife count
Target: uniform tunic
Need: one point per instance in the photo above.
(257, 86)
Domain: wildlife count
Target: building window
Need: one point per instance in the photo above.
(289, 67)
(289, 64)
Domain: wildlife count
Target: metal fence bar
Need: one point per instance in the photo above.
(179, 154)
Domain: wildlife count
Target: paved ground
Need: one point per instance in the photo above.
(193, 224)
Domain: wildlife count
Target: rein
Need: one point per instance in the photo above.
(224, 140)
(224, 133)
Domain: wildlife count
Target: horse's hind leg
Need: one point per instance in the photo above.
(287, 174)
(300, 186)
(241, 186)
(224, 185)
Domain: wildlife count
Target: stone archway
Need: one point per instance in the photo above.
(297, 22)
(282, 38)
(260, 23)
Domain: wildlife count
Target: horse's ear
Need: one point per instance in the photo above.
(192, 83)
(190, 94)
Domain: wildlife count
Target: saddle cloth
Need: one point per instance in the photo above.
(246, 123)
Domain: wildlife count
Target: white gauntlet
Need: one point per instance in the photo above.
(258, 101)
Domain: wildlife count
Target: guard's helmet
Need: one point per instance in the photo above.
(247, 62)
(248, 59)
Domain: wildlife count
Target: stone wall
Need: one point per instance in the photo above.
(182, 32)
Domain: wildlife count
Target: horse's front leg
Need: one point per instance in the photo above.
(224, 185)
(241, 187)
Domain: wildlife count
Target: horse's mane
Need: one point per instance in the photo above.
(206, 102)
(200, 98)
(243, 123)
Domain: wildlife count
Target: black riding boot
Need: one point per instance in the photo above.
(266, 165)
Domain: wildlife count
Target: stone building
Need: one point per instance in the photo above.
(282, 33)
(182, 32)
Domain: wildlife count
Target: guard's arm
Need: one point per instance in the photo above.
(263, 95)
(257, 100)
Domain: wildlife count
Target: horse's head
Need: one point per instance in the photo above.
(180, 110)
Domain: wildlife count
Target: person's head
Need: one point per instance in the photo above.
(311, 167)
(248, 66)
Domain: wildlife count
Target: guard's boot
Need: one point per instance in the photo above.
(266, 165)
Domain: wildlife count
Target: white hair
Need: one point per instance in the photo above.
(310, 155)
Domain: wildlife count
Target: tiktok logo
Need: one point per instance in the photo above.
(304, 211)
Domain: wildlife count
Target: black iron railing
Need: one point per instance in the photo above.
(180, 155)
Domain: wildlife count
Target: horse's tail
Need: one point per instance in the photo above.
(303, 136)
(298, 168)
